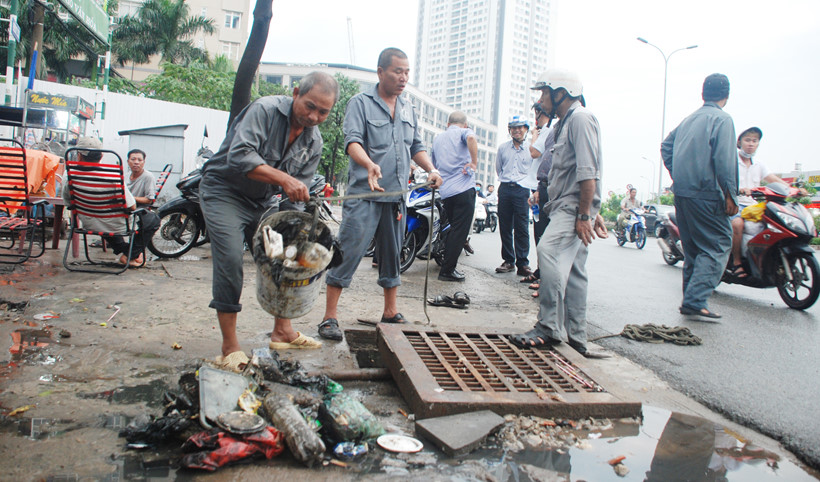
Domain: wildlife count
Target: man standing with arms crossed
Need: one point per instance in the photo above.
(575, 198)
(700, 156)
(512, 164)
(272, 146)
(381, 136)
(455, 154)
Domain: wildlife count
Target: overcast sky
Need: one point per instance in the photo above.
(769, 51)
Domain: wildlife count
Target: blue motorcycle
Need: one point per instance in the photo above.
(635, 231)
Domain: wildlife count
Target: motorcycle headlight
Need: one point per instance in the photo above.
(793, 222)
(808, 219)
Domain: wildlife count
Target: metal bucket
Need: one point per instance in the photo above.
(287, 292)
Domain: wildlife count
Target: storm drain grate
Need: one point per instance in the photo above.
(442, 373)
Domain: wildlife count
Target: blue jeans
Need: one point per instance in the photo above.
(706, 236)
(513, 223)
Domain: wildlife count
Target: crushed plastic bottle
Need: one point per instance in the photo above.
(349, 450)
(333, 387)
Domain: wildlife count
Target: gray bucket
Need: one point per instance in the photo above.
(282, 291)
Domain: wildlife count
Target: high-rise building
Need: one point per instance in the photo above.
(482, 56)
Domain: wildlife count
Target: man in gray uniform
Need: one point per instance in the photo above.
(574, 200)
(700, 156)
(381, 136)
(273, 146)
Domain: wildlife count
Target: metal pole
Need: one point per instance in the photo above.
(663, 118)
(12, 52)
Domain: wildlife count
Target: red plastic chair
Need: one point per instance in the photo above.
(18, 221)
(97, 190)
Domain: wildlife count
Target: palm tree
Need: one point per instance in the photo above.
(161, 27)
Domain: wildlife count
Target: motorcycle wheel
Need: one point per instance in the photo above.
(478, 226)
(802, 292)
(203, 237)
(409, 248)
(492, 222)
(658, 230)
(640, 238)
(178, 232)
(621, 239)
(670, 258)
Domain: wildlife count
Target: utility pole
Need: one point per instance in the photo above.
(11, 52)
(350, 41)
(37, 41)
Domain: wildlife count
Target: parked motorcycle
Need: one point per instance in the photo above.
(668, 236)
(777, 251)
(182, 225)
(635, 231)
(420, 207)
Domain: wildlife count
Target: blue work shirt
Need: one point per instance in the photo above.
(450, 155)
(390, 142)
(700, 155)
(511, 163)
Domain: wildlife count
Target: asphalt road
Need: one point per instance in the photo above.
(758, 365)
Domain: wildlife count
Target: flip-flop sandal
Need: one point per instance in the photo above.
(529, 279)
(534, 286)
(738, 272)
(534, 294)
(329, 329)
(461, 298)
(301, 342)
(233, 362)
(533, 339)
(443, 300)
(398, 318)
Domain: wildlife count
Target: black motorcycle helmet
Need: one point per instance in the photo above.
(750, 130)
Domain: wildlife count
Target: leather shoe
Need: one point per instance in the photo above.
(467, 247)
(524, 271)
(454, 275)
(505, 267)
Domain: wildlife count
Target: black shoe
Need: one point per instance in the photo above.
(505, 267)
(454, 275)
(582, 349)
(524, 271)
(329, 329)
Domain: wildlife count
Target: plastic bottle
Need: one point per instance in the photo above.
(535, 212)
(315, 256)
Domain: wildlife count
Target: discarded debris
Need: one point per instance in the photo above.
(223, 448)
(621, 470)
(18, 411)
(302, 441)
(349, 450)
(345, 419)
(176, 346)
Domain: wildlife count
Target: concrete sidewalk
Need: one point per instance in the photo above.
(95, 347)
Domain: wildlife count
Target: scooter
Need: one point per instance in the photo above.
(492, 217)
(777, 251)
(669, 239)
(635, 231)
(420, 207)
(480, 216)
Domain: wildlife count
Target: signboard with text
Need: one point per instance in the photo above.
(91, 15)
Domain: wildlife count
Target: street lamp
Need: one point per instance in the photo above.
(663, 119)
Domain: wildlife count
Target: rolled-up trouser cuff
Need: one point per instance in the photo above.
(225, 307)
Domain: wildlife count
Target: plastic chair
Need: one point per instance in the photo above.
(21, 219)
(97, 190)
(162, 179)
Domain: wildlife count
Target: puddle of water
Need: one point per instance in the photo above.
(150, 393)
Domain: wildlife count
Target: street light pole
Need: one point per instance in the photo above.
(651, 163)
(663, 119)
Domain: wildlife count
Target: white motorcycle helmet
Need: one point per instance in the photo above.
(559, 78)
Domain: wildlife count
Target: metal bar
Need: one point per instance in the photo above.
(443, 361)
(526, 379)
(488, 363)
(467, 364)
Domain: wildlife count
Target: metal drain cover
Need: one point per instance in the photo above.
(442, 373)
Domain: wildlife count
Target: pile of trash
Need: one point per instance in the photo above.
(219, 417)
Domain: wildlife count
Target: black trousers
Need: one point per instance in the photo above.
(460, 209)
(543, 220)
(513, 223)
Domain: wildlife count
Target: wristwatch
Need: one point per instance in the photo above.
(583, 217)
(433, 171)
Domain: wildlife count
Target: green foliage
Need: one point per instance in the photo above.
(334, 159)
(194, 85)
(223, 64)
(268, 88)
(611, 207)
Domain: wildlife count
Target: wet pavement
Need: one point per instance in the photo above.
(105, 349)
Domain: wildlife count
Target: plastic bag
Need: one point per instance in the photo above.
(345, 419)
(754, 212)
(226, 448)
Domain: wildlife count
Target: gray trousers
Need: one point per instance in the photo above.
(361, 220)
(706, 236)
(230, 222)
(562, 259)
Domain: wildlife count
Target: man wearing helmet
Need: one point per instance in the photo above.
(750, 174)
(512, 165)
(574, 191)
(701, 160)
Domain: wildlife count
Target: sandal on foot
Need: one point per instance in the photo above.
(529, 278)
(685, 310)
(329, 329)
(534, 286)
(738, 272)
(234, 362)
(398, 318)
(533, 339)
(301, 341)
(461, 298)
(534, 294)
(441, 300)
